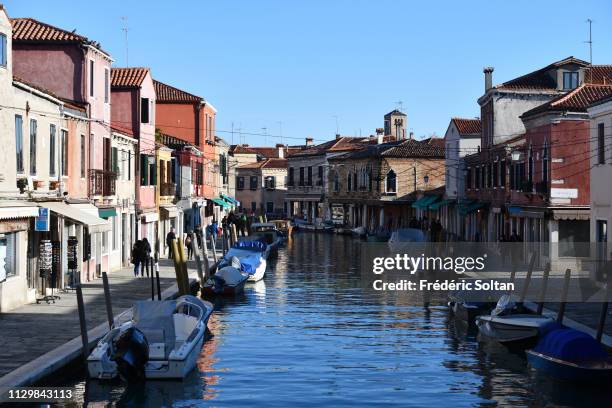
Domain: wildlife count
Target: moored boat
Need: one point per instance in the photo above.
(517, 330)
(284, 226)
(161, 340)
(571, 355)
(227, 281)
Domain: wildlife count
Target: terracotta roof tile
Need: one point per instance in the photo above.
(31, 30)
(342, 144)
(599, 74)
(267, 152)
(576, 101)
(467, 126)
(408, 148)
(170, 94)
(540, 79)
(128, 77)
(275, 164)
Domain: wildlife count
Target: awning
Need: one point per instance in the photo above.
(571, 214)
(17, 209)
(436, 206)
(92, 221)
(150, 217)
(107, 212)
(424, 201)
(168, 211)
(229, 199)
(466, 209)
(220, 202)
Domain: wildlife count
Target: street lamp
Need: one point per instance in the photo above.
(426, 180)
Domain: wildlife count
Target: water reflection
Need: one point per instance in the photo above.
(309, 334)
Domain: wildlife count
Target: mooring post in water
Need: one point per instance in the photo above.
(234, 234)
(604, 312)
(107, 301)
(544, 288)
(158, 284)
(566, 283)
(527, 278)
(82, 322)
(183, 270)
(213, 248)
(177, 265)
(196, 253)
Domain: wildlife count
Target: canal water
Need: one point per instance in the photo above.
(309, 335)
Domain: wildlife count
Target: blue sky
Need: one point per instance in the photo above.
(306, 63)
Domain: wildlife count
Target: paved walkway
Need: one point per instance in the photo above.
(32, 331)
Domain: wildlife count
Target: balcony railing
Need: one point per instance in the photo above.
(102, 182)
(167, 189)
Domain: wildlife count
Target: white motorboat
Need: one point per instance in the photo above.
(249, 257)
(161, 340)
(513, 329)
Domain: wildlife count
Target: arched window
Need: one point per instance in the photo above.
(391, 184)
(349, 182)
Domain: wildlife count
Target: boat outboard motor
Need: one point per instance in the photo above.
(235, 262)
(131, 353)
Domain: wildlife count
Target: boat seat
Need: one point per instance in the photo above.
(157, 343)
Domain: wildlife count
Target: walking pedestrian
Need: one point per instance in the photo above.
(189, 244)
(171, 236)
(198, 235)
(145, 255)
(213, 230)
(137, 257)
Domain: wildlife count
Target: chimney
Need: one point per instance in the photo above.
(488, 71)
(309, 141)
(281, 150)
(379, 135)
(411, 135)
(338, 136)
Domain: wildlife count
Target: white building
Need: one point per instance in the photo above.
(600, 114)
(462, 138)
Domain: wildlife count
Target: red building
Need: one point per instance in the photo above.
(186, 123)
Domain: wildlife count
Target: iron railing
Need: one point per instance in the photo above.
(102, 182)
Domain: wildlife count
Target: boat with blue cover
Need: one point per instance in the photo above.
(571, 355)
(249, 257)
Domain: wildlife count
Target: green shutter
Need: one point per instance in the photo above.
(144, 170)
(115, 164)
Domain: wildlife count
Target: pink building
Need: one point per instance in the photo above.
(77, 71)
(133, 108)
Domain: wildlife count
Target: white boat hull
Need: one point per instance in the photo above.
(511, 328)
(259, 272)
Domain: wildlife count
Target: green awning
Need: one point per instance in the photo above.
(424, 201)
(229, 199)
(221, 202)
(468, 208)
(107, 212)
(436, 206)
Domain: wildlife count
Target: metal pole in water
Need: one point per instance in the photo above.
(107, 300)
(82, 322)
(544, 287)
(153, 261)
(564, 296)
(157, 279)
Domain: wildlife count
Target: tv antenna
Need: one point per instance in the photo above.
(280, 130)
(265, 134)
(337, 127)
(590, 42)
(125, 30)
(400, 106)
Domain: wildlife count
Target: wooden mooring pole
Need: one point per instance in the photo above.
(527, 278)
(183, 269)
(545, 275)
(604, 312)
(153, 262)
(196, 253)
(82, 322)
(566, 283)
(107, 301)
(177, 265)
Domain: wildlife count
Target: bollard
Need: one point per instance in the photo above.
(146, 267)
(82, 322)
(564, 296)
(153, 261)
(544, 287)
(107, 300)
(158, 285)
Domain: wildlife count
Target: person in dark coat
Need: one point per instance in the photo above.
(137, 257)
(198, 235)
(171, 236)
(145, 254)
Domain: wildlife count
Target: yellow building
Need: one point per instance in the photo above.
(165, 197)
